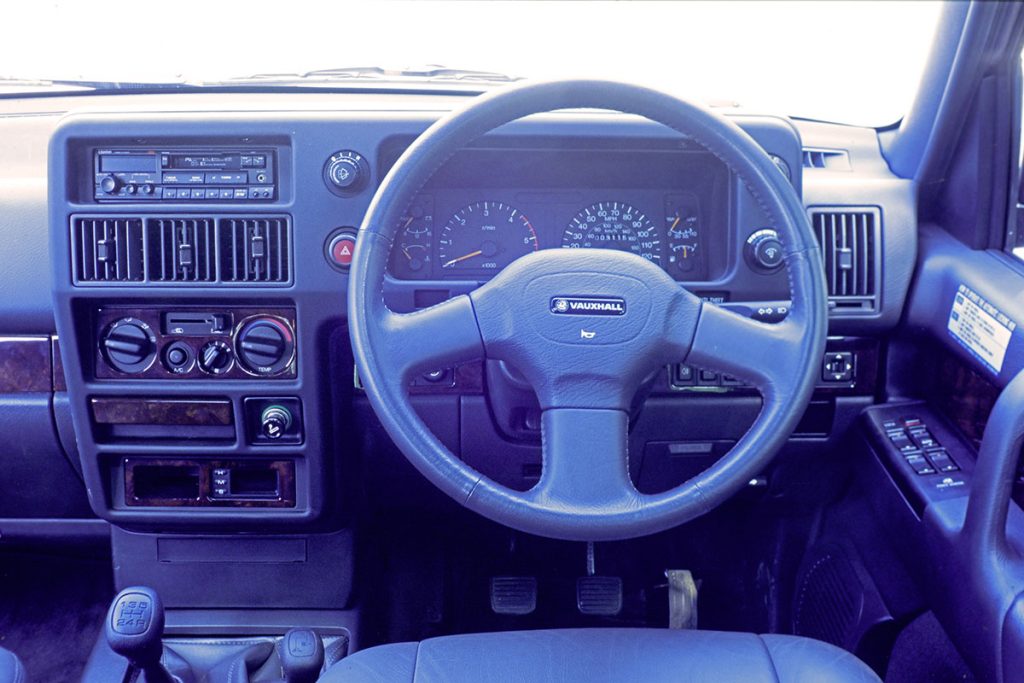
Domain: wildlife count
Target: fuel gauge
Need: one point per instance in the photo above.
(682, 220)
(410, 255)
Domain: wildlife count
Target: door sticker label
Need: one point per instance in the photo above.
(980, 328)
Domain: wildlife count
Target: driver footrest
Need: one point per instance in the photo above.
(599, 595)
(513, 594)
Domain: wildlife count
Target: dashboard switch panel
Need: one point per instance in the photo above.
(208, 342)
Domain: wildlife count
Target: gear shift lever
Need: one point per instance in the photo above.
(302, 655)
(135, 628)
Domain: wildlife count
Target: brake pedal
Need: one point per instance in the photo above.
(513, 594)
(682, 599)
(598, 595)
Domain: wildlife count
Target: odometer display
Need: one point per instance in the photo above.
(613, 225)
(485, 236)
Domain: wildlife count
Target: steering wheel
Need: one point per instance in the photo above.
(585, 327)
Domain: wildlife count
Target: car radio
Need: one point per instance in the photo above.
(185, 175)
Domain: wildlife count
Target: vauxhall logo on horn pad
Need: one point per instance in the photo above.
(588, 305)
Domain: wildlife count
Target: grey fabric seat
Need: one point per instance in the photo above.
(600, 655)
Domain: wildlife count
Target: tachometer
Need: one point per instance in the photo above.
(485, 236)
(613, 225)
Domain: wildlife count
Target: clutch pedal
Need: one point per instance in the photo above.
(513, 594)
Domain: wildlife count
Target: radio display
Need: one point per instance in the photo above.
(127, 163)
(210, 161)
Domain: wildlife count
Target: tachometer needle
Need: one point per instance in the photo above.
(462, 258)
(675, 223)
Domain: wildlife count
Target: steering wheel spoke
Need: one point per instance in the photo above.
(586, 464)
(756, 352)
(440, 336)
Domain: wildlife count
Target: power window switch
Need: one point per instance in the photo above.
(920, 465)
(942, 462)
(901, 442)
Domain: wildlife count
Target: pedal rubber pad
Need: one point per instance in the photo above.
(599, 595)
(513, 594)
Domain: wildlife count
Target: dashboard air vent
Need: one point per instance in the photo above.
(108, 249)
(181, 249)
(849, 246)
(254, 250)
(828, 159)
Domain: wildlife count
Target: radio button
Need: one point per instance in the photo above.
(170, 193)
(241, 193)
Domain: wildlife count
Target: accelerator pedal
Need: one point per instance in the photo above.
(515, 595)
(682, 599)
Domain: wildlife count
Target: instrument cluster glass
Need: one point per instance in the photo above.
(463, 226)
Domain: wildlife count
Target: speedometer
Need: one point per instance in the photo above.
(613, 225)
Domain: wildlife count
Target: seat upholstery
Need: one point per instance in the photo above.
(597, 655)
(11, 670)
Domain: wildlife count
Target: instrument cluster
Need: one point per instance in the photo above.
(487, 207)
(474, 239)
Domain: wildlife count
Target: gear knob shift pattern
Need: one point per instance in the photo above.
(302, 655)
(135, 628)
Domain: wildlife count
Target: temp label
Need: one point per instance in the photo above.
(980, 328)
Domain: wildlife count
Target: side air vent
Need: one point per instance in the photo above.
(107, 249)
(849, 239)
(828, 159)
(254, 250)
(181, 250)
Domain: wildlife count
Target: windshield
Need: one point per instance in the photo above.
(855, 62)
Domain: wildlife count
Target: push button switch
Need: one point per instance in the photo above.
(920, 464)
(341, 248)
(942, 462)
(838, 366)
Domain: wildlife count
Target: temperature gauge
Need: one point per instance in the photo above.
(410, 255)
(683, 228)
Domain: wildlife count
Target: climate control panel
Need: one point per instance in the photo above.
(200, 342)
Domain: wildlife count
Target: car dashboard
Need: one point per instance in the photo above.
(200, 246)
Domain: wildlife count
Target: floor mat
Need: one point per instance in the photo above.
(51, 610)
(923, 652)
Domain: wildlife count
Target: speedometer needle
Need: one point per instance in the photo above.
(462, 258)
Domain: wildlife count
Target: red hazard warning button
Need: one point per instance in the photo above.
(341, 249)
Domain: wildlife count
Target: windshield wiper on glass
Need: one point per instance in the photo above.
(429, 73)
(28, 85)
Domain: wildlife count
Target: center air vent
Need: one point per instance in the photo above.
(849, 246)
(181, 249)
(108, 249)
(254, 250)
